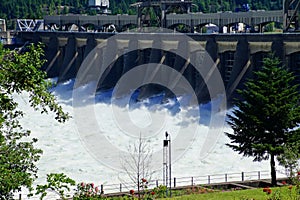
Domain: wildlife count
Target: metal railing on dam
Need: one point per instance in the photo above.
(235, 56)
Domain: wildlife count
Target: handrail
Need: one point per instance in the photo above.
(190, 181)
(177, 183)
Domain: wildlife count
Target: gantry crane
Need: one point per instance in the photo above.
(291, 15)
(156, 10)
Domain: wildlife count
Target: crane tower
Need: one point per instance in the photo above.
(291, 15)
(153, 12)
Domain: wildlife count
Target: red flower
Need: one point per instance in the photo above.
(82, 184)
(96, 189)
(298, 173)
(267, 190)
(283, 182)
(144, 180)
(152, 193)
(92, 185)
(131, 192)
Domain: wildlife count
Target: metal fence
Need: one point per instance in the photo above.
(190, 181)
(176, 182)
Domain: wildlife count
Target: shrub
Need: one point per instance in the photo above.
(58, 183)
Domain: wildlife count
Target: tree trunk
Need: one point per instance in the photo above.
(273, 170)
(138, 184)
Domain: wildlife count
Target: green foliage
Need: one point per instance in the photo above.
(12, 9)
(291, 192)
(270, 27)
(19, 72)
(269, 115)
(59, 183)
(252, 194)
(295, 190)
(290, 157)
(160, 191)
(266, 119)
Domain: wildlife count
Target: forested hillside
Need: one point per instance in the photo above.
(12, 9)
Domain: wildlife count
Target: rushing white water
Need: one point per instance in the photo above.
(64, 151)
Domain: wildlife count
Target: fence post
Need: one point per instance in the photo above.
(225, 177)
(120, 187)
(258, 174)
(156, 183)
(20, 196)
(242, 176)
(208, 179)
(174, 181)
(101, 189)
(192, 181)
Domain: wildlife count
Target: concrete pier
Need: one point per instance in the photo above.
(235, 55)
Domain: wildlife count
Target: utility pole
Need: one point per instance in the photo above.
(167, 175)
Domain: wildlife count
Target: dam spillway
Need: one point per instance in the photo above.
(235, 56)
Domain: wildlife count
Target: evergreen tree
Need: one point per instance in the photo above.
(268, 117)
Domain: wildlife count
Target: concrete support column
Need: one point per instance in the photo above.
(153, 71)
(139, 16)
(212, 48)
(67, 70)
(52, 55)
(240, 67)
(278, 50)
(192, 26)
(91, 43)
(113, 65)
(131, 59)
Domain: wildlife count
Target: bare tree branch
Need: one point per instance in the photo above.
(137, 165)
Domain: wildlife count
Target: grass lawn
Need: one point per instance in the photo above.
(283, 193)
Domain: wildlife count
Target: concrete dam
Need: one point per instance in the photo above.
(230, 57)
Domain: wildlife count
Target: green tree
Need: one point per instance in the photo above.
(59, 183)
(52, 9)
(59, 7)
(19, 72)
(290, 158)
(270, 27)
(65, 10)
(268, 116)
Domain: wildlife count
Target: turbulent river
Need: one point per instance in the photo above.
(66, 151)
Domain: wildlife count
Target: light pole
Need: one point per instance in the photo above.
(167, 162)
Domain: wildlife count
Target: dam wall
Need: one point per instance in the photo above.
(234, 55)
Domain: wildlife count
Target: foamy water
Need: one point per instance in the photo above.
(64, 151)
